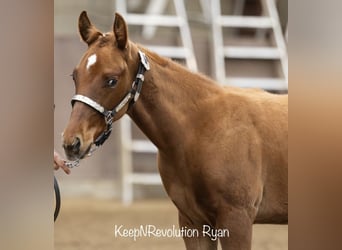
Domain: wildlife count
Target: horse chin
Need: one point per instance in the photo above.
(83, 154)
(71, 157)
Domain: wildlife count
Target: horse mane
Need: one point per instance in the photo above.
(163, 61)
(174, 65)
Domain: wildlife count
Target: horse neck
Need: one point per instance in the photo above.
(169, 95)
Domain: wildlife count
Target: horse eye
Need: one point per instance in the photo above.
(111, 82)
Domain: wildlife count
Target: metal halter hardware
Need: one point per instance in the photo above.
(131, 97)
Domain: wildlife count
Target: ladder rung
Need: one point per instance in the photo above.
(154, 20)
(245, 22)
(145, 178)
(263, 83)
(251, 52)
(143, 146)
(171, 51)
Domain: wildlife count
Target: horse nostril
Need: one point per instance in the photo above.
(76, 145)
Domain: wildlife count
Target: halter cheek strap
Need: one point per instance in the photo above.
(130, 98)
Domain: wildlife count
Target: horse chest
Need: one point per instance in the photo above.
(187, 203)
(178, 182)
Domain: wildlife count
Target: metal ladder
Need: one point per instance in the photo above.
(221, 52)
(153, 17)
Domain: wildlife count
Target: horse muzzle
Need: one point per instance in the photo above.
(75, 149)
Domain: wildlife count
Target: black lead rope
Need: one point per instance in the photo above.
(57, 197)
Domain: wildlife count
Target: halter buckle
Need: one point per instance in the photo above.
(141, 77)
(143, 60)
(109, 118)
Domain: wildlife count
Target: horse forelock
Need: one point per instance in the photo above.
(105, 39)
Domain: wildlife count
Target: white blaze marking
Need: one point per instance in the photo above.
(91, 60)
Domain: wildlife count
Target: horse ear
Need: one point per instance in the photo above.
(87, 31)
(120, 31)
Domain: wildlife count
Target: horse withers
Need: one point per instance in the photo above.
(222, 151)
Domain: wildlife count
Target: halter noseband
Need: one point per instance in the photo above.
(131, 97)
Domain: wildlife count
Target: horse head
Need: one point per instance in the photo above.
(103, 83)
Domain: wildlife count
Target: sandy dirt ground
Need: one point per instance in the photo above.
(88, 224)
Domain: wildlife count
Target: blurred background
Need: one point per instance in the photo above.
(236, 42)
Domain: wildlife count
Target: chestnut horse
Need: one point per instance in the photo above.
(222, 150)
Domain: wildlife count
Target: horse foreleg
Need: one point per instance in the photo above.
(195, 242)
(239, 224)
